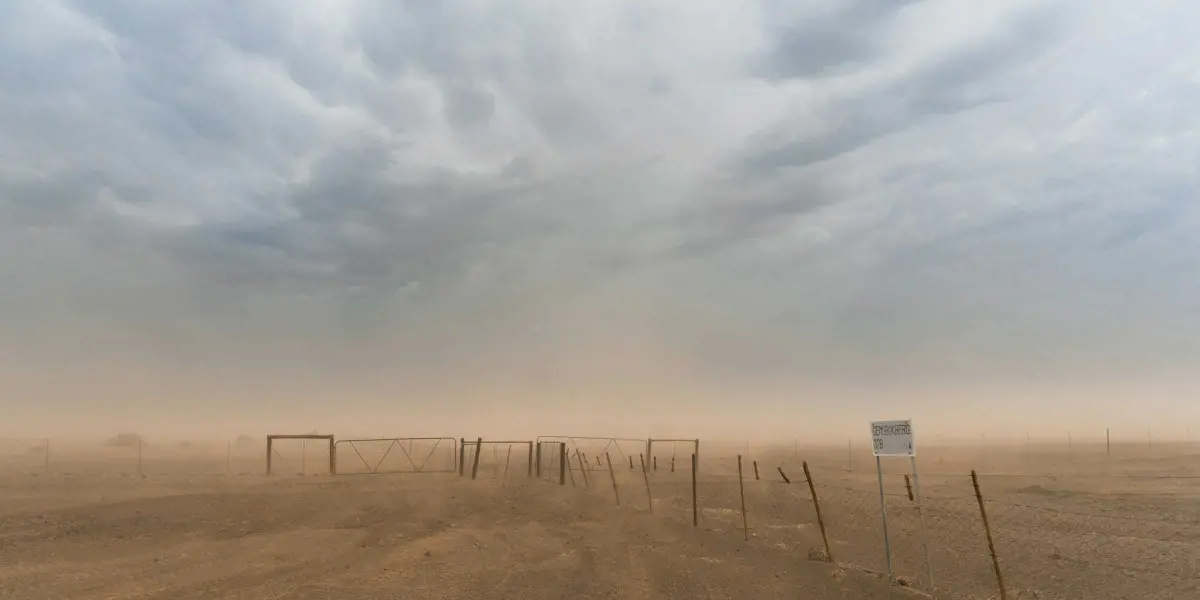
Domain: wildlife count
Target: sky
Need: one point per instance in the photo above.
(702, 217)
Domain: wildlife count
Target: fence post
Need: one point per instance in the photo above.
(613, 476)
(783, 475)
(987, 529)
(756, 470)
(631, 462)
(537, 462)
(645, 476)
(562, 464)
(582, 469)
(529, 460)
(908, 486)
(655, 459)
(695, 504)
(812, 489)
(47, 457)
(462, 456)
(475, 463)
(506, 459)
(270, 443)
(742, 492)
(570, 470)
(332, 456)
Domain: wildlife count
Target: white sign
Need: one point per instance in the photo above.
(892, 438)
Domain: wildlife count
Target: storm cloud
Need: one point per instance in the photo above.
(480, 200)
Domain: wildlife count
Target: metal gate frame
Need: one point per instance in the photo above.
(464, 443)
(395, 443)
(610, 442)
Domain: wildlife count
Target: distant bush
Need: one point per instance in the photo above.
(126, 440)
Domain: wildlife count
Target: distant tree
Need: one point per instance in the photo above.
(126, 440)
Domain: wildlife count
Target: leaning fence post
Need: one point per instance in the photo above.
(614, 478)
(570, 471)
(645, 476)
(582, 469)
(475, 463)
(987, 529)
(742, 491)
(812, 489)
(695, 505)
(631, 462)
(507, 458)
(756, 470)
(908, 486)
(783, 475)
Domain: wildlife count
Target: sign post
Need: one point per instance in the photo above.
(895, 438)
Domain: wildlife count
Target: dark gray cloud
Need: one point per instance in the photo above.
(809, 41)
(720, 193)
(951, 82)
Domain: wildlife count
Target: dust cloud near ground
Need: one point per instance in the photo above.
(129, 518)
(394, 536)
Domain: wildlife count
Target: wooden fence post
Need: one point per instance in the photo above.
(475, 463)
(987, 529)
(507, 458)
(908, 486)
(462, 456)
(631, 462)
(582, 469)
(562, 464)
(645, 476)
(742, 491)
(570, 469)
(756, 470)
(783, 475)
(613, 475)
(812, 489)
(695, 503)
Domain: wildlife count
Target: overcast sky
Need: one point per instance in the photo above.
(598, 215)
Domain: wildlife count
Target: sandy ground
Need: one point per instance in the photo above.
(204, 522)
(379, 536)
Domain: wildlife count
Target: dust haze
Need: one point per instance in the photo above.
(757, 224)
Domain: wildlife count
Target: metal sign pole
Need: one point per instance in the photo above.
(921, 522)
(887, 543)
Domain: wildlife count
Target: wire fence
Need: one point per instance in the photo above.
(1051, 537)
